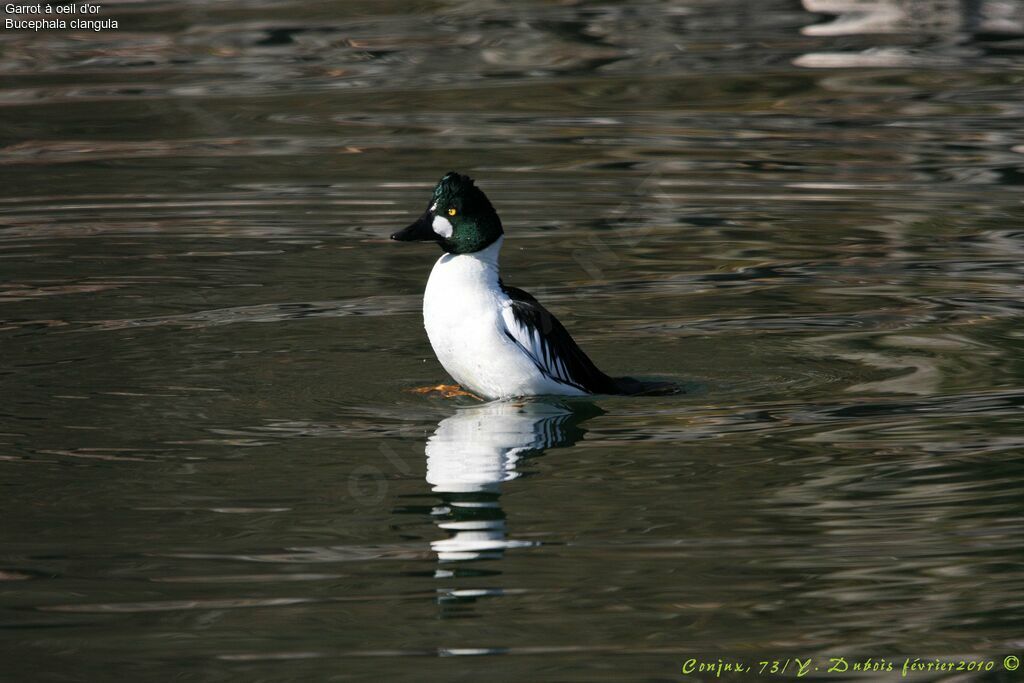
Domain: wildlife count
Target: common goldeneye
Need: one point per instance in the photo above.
(494, 340)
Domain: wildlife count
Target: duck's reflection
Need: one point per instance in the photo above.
(476, 450)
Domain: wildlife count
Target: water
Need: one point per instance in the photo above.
(811, 215)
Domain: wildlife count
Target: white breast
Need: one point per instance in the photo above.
(462, 308)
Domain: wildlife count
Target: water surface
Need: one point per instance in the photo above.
(809, 214)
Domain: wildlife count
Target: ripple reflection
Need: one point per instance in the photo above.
(471, 455)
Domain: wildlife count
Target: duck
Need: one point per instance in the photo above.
(496, 341)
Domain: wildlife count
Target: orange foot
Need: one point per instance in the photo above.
(446, 390)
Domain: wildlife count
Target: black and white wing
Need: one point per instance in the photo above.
(550, 346)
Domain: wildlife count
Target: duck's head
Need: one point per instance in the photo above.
(459, 218)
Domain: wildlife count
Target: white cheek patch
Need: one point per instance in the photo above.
(433, 207)
(442, 227)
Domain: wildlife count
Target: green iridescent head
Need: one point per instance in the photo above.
(460, 218)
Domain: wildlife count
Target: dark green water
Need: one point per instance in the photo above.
(211, 469)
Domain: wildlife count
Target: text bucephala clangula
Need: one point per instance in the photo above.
(494, 340)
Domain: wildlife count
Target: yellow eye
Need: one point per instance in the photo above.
(452, 212)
